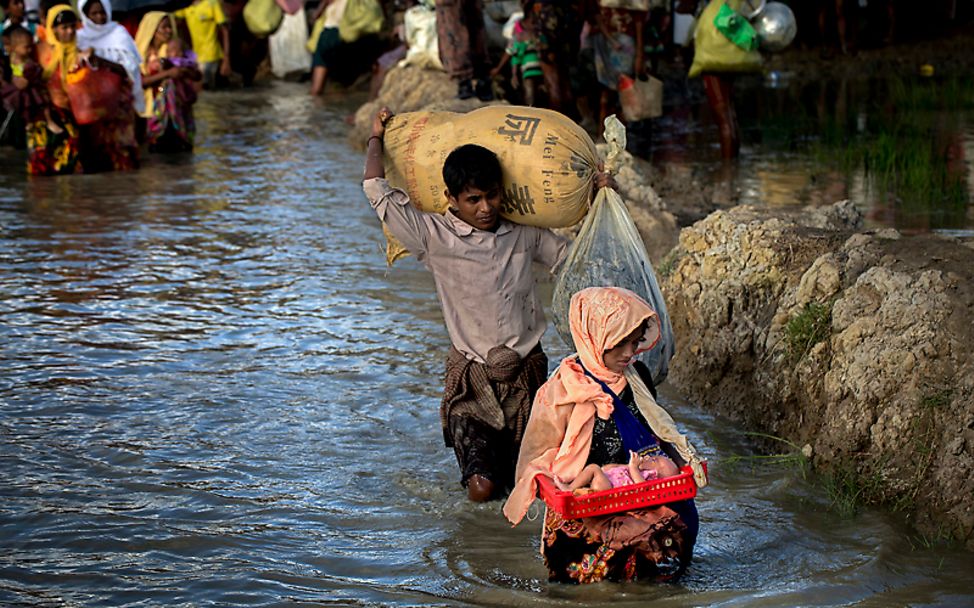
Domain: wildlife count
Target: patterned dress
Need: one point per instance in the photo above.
(654, 543)
(108, 144)
(52, 146)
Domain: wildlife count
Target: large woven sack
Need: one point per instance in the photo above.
(713, 51)
(93, 94)
(548, 162)
(262, 17)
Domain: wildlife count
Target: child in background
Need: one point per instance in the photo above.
(179, 57)
(26, 76)
(522, 52)
(617, 39)
(210, 37)
(49, 141)
(15, 14)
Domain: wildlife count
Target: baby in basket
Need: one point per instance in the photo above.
(642, 467)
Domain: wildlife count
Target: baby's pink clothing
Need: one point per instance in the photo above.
(619, 475)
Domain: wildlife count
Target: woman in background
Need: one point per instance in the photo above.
(169, 76)
(107, 143)
(109, 40)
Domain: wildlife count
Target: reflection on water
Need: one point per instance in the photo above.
(214, 392)
(901, 150)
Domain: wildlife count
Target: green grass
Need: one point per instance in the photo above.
(669, 263)
(793, 457)
(849, 490)
(905, 148)
(807, 328)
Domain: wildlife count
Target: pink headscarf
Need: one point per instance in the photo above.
(559, 433)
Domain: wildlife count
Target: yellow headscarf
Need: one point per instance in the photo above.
(147, 31)
(64, 55)
(143, 40)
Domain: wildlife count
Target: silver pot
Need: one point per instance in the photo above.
(776, 26)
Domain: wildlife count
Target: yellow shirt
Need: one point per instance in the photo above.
(202, 18)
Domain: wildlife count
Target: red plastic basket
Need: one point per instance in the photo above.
(635, 496)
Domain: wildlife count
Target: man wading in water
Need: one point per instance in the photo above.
(481, 264)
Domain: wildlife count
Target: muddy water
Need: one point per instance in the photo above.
(214, 393)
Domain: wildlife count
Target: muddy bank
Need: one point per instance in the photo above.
(855, 345)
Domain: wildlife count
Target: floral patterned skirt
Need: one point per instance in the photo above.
(645, 544)
(171, 128)
(109, 144)
(53, 152)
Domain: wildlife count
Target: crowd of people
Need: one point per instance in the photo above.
(85, 93)
(66, 85)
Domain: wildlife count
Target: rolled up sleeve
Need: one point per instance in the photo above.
(394, 209)
(551, 250)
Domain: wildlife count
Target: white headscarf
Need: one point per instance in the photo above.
(111, 41)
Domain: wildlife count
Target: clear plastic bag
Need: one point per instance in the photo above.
(608, 252)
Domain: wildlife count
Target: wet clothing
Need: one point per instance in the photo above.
(485, 409)
(655, 543)
(485, 284)
(108, 144)
(112, 41)
(28, 103)
(573, 424)
(500, 307)
(461, 37)
(170, 126)
(51, 153)
(636, 545)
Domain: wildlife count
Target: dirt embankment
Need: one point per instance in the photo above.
(856, 345)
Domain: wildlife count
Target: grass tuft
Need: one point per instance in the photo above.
(807, 328)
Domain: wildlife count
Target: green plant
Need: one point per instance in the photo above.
(940, 398)
(807, 328)
(848, 489)
(923, 542)
(924, 435)
(794, 457)
(670, 261)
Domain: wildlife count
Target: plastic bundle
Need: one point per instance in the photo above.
(608, 252)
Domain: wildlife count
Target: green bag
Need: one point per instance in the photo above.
(262, 17)
(714, 52)
(736, 28)
(316, 29)
(361, 17)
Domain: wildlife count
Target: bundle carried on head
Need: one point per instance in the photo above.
(548, 162)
